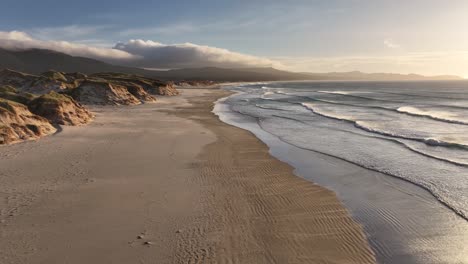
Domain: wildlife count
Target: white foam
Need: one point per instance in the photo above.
(444, 116)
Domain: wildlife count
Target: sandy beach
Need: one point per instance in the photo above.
(165, 183)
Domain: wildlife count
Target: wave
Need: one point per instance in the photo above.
(353, 95)
(268, 88)
(429, 186)
(269, 108)
(290, 118)
(426, 186)
(429, 155)
(295, 95)
(364, 126)
(396, 141)
(337, 92)
(384, 136)
(410, 110)
(428, 141)
(336, 103)
(249, 84)
(421, 95)
(266, 94)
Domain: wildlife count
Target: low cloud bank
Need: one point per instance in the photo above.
(140, 53)
(16, 40)
(158, 55)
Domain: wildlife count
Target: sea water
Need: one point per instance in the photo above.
(416, 131)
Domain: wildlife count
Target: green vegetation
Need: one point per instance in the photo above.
(9, 97)
(6, 102)
(19, 98)
(55, 76)
(121, 77)
(10, 93)
(75, 75)
(7, 88)
(52, 98)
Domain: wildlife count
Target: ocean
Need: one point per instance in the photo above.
(415, 131)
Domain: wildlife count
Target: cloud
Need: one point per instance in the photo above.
(140, 53)
(186, 55)
(389, 43)
(16, 40)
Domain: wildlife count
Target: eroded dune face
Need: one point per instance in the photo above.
(60, 109)
(151, 86)
(140, 93)
(32, 104)
(17, 123)
(168, 89)
(103, 93)
(24, 116)
(97, 89)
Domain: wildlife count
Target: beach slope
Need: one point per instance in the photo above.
(165, 183)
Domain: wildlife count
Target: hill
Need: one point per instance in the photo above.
(233, 75)
(36, 61)
(357, 75)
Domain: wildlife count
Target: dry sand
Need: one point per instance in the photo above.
(165, 183)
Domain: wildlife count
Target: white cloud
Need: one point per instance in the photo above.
(158, 55)
(140, 53)
(389, 43)
(17, 40)
(151, 54)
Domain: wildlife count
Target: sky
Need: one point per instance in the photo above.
(428, 37)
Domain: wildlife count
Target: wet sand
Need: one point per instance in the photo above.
(166, 183)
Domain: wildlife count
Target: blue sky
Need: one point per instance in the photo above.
(428, 37)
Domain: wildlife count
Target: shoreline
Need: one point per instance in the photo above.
(312, 221)
(395, 234)
(426, 189)
(166, 182)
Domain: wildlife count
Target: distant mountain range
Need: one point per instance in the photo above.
(357, 75)
(39, 60)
